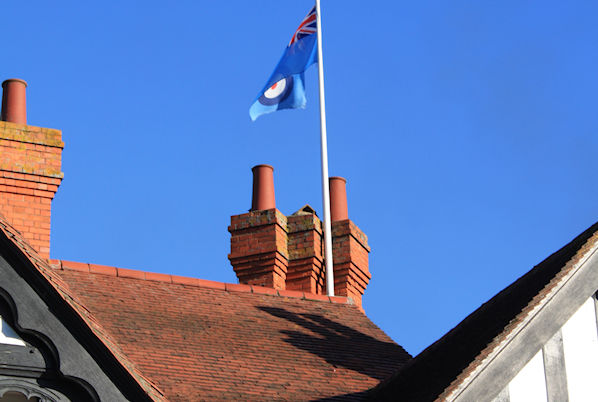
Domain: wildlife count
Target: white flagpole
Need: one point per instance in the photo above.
(324, 155)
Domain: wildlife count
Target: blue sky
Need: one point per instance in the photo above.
(467, 132)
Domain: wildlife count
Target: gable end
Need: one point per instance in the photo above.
(559, 301)
(75, 360)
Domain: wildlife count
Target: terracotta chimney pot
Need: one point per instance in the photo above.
(14, 105)
(338, 199)
(263, 188)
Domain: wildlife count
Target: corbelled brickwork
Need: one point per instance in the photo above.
(306, 252)
(259, 253)
(30, 161)
(271, 250)
(350, 255)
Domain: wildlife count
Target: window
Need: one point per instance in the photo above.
(8, 336)
(12, 396)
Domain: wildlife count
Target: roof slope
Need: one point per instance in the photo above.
(11, 237)
(199, 339)
(441, 367)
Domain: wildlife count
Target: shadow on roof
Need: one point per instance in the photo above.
(340, 345)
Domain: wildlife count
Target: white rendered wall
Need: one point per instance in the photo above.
(529, 385)
(580, 344)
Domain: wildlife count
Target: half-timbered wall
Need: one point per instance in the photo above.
(566, 368)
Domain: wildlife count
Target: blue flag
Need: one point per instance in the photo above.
(285, 89)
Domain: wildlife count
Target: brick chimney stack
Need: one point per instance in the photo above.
(350, 247)
(272, 250)
(259, 238)
(30, 161)
(306, 252)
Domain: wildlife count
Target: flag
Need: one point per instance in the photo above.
(284, 89)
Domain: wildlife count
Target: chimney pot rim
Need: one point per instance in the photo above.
(338, 178)
(262, 165)
(14, 80)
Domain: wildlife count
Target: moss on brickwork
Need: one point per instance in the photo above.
(31, 134)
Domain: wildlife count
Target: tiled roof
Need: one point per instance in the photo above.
(62, 289)
(444, 367)
(209, 340)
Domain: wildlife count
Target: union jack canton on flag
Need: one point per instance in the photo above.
(285, 88)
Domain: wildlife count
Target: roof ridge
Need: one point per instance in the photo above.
(184, 280)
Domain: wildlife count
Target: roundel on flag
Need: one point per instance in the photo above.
(278, 92)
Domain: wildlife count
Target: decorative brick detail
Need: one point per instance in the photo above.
(30, 162)
(259, 252)
(350, 254)
(306, 252)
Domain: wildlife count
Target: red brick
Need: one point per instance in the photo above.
(29, 157)
(259, 253)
